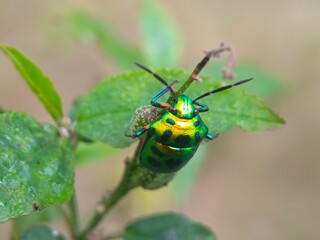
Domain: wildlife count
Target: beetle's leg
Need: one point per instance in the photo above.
(160, 104)
(139, 132)
(167, 89)
(211, 137)
(203, 107)
(163, 92)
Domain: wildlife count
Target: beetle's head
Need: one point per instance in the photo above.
(183, 107)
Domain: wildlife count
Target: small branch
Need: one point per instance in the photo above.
(74, 215)
(215, 53)
(66, 217)
(128, 182)
(67, 133)
(14, 231)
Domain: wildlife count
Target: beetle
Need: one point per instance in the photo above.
(172, 140)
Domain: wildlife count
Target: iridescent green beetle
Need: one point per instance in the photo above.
(172, 140)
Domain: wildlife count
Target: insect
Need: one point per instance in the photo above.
(172, 140)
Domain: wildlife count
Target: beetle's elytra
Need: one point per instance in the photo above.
(172, 140)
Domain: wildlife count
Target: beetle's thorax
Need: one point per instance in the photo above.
(184, 107)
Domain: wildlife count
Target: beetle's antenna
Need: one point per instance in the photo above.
(223, 88)
(169, 86)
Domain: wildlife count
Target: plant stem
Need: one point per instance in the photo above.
(14, 230)
(215, 53)
(128, 182)
(66, 217)
(74, 215)
(134, 176)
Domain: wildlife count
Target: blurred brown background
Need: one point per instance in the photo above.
(262, 185)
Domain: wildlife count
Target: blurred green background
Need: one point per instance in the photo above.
(262, 185)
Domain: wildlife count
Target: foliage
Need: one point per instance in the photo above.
(37, 81)
(167, 226)
(41, 232)
(117, 97)
(36, 166)
(37, 160)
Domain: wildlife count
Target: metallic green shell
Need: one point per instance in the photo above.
(171, 142)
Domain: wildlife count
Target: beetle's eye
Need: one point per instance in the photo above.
(172, 110)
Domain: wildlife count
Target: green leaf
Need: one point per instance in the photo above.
(167, 226)
(237, 108)
(162, 43)
(41, 232)
(96, 30)
(35, 166)
(37, 81)
(104, 113)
